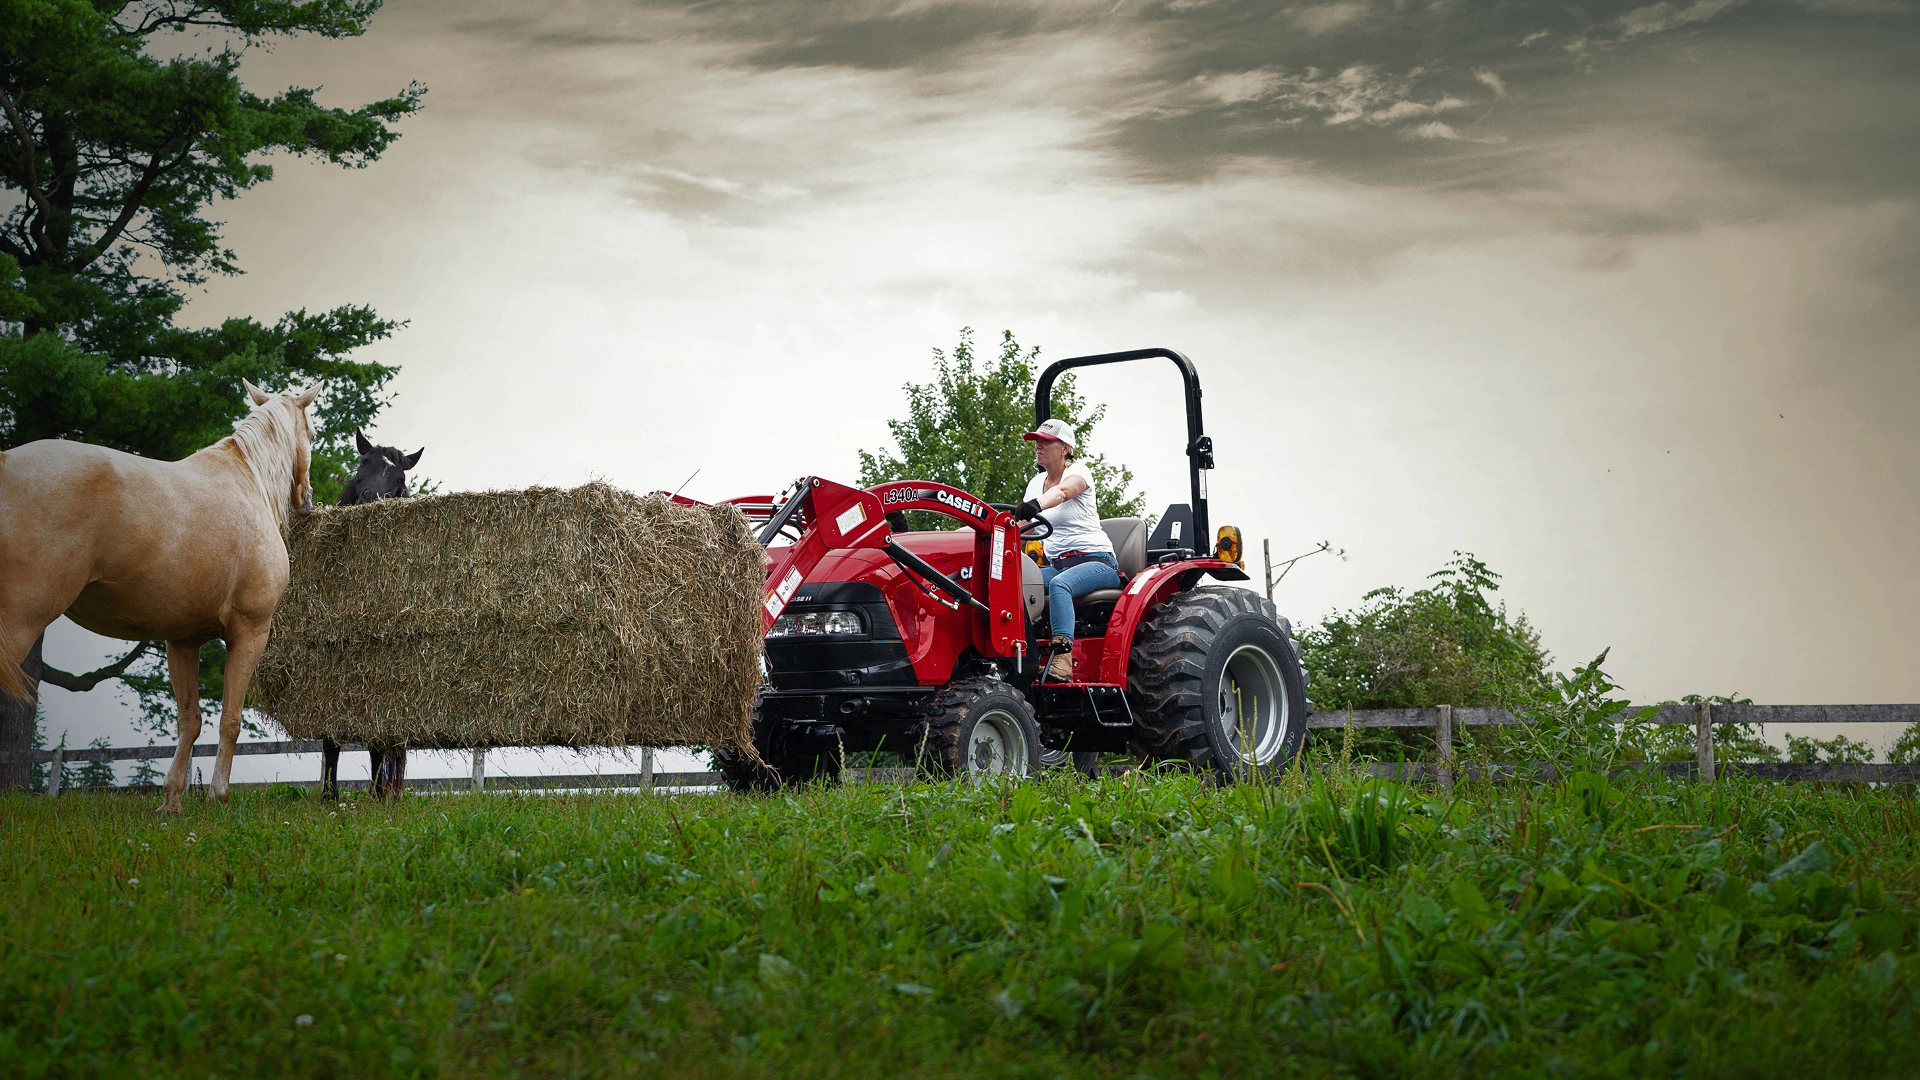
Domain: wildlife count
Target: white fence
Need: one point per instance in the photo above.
(1444, 720)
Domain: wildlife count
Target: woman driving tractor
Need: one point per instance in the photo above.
(1080, 558)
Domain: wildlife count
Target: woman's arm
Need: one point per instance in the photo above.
(1070, 487)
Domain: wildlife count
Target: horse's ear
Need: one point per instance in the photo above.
(412, 459)
(360, 442)
(306, 396)
(254, 393)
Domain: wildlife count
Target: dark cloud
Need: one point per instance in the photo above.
(933, 37)
(1618, 119)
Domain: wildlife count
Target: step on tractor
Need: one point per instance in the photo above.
(934, 643)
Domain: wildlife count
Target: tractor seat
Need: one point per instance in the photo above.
(1129, 538)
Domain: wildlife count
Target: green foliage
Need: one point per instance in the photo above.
(168, 405)
(119, 129)
(95, 773)
(145, 773)
(1446, 644)
(1365, 832)
(160, 714)
(1838, 749)
(1579, 725)
(1731, 742)
(1153, 926)
(113, 147)
(963, 428)
(1906, 749)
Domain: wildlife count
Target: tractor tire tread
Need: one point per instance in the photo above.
(1168, 664)
(939, 753)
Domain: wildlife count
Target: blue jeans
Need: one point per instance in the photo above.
(1099, 571)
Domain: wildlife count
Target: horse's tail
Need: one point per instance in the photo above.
(13, 678)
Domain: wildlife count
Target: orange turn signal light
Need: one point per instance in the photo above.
(1227, 546)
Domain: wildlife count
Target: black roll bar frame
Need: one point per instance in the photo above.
(1199, 446)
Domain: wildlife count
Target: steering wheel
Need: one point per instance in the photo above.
(1036, 529)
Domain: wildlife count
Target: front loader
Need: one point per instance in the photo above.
(932, 644)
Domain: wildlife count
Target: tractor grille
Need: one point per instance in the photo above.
(875, 658)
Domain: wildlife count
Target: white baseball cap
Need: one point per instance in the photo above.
(1054, 430)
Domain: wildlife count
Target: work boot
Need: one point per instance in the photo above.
(1060, 668)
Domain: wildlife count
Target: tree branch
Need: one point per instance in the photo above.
(32, 178)
(134, 199)
(82, 683)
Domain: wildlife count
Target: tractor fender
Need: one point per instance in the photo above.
(1149, 589)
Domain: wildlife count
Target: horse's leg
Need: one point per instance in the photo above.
(374, 784)
(399, 769)
(183, 669)
(329, 770)
(246, 640)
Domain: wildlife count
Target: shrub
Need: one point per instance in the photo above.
(1443, 644)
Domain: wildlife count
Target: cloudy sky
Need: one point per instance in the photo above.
(1619, 297)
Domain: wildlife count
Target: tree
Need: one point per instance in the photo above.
(94, 774)
(963, 428)
(115, 140)
(1446, 644)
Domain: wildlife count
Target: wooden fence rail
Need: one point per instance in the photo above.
(1443, 719)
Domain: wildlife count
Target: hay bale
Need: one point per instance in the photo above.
(585, 617)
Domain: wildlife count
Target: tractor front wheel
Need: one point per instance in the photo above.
(980, 728)
(1216, 684)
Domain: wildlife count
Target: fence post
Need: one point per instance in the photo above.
(1443, 740)
(1703, 738)
(646, 768)
(479, 769)
(1266, 555)
(54, 770)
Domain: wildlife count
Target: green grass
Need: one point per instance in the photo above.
(1152, 927)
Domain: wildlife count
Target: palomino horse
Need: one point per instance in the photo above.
(181, 551)
(382, 474)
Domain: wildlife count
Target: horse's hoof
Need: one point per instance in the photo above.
(169, 806)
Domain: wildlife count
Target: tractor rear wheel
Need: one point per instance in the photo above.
(1216, 683)
(792, 756)
(980, 728)
(1084, 762)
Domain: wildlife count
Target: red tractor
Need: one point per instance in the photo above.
(932, 643)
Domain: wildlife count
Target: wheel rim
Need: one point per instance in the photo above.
(1253, 706)
(997, 746)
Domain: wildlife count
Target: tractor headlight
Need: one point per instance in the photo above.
(818, 624)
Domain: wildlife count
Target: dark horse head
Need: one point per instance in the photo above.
(382, 473)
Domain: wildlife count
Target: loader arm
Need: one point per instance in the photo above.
(833, 517)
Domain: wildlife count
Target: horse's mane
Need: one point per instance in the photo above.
(268, 441)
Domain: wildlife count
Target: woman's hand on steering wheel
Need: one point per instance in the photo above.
(1035, 527)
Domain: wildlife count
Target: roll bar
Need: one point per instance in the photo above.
(1199, 446)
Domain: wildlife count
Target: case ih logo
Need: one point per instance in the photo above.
(905, 494)
(965, 506)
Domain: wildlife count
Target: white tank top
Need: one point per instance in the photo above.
(1076, 522)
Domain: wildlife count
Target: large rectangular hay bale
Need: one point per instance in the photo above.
(544, 617)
